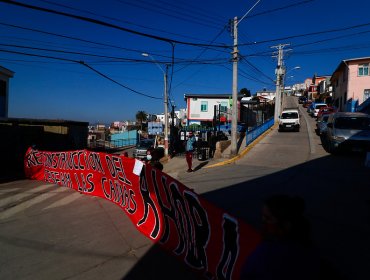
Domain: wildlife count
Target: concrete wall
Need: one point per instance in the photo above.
(357, 84)
(19, 134)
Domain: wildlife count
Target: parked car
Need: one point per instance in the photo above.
(146, 146)
(326, 110)
(302, 99)
(289, 120)
(321, 124)
(310, 108)
(316, 107)
(347, 131)
(307, 103)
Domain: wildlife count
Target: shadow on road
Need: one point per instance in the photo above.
(336, 190)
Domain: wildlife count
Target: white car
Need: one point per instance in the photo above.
(316, 107)
(289, 120)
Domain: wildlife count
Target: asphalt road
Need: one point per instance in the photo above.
(55, 233)
(336, 190)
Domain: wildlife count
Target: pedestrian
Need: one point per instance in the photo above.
(189, 150)
(152, 157)
(212, 144)
(286, 251)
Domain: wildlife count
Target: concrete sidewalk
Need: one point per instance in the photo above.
(176, 167)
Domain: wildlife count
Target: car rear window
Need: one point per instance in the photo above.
(320, 106)
(359, 123)
(290, 115)
(145, 144)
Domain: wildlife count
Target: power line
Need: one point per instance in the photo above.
(255, 68)
(280, 8)
(119, 20)
(167, 11)
(306, 34)
(194, 10)
(102, 23)
(118, 83)
(84, 64)
(115, 58)
(72, 38)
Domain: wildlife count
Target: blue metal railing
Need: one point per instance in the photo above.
(113, 144)
(251, 135)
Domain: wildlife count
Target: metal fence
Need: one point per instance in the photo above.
(252, 134)
(111, 145)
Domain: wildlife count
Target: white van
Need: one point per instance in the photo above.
(289, 120)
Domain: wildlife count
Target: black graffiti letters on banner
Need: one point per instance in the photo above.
(116, 169)
(117, 192)
(188, 217)
(171, 212)
(230, 247)
(200, 233)
(148, 202)
(33, 158)
(85, 185)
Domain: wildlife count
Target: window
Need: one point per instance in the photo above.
(204, 106)
(366, 94)
(289, 115)
(363, 69)
(224, 106)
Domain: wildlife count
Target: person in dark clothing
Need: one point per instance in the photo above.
(189, 149)
(286, 251)
(153, 159)
(212, 144)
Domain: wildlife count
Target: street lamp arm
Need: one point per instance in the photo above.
(156, 63)
(248, 11)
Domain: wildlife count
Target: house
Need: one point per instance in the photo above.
(5, 75)
(325, 90)
(351, 83)
(298, 89)
(313, 88)
(176, 121)
(265, 94)
(202, 108)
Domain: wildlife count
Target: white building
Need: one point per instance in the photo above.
(201, 107)
(177, 119)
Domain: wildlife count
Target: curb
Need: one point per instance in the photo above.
(245, 151)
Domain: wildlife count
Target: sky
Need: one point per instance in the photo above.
(83, 60)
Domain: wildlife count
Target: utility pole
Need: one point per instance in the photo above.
(234, 114)
(279, 76)
(165, 101)
(165, 113)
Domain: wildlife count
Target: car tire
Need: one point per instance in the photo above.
(331, 149)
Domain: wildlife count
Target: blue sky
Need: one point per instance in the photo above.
(44, 50)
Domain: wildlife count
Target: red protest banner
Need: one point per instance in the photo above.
(202, 235)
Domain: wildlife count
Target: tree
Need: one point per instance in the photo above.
(141, 116)
(245, 92)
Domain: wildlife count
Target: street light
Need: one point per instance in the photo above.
(284, 73)
(165, 102)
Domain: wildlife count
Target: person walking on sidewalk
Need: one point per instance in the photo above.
(189, 149)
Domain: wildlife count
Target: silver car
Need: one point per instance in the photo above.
(142, 148)
(347, 131)
(321, 124)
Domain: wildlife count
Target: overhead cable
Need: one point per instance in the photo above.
(84, 64)
(106, 24)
